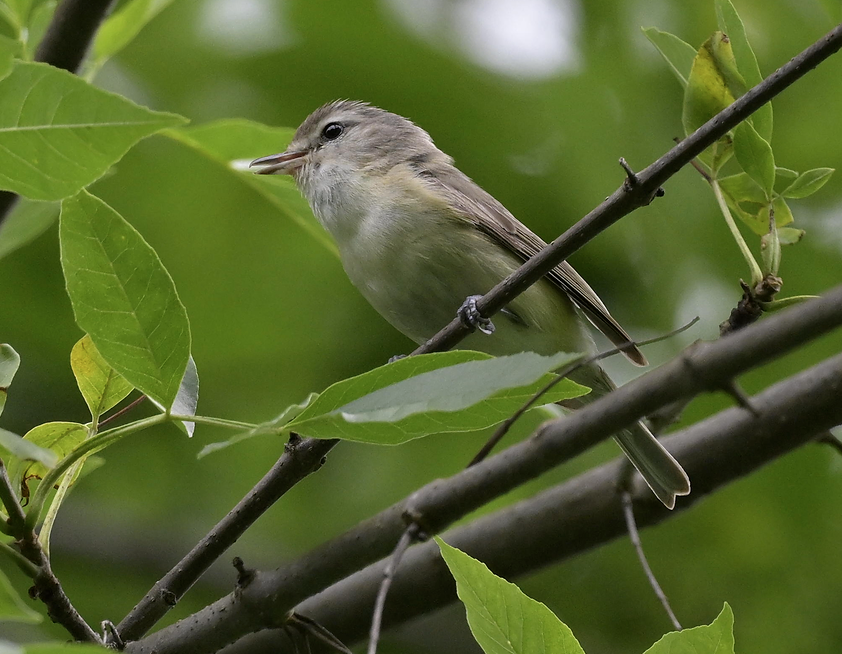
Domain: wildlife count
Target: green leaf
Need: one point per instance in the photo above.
(9, 364)
(9, 49)
(26, 450)
(729, 22)
(58, 438)
(58, 133)
(122, 27)
(233, 144)
(273, 426)
(790, 235)
(783, 214)
(770, 251)
(12, 606)
(27, 221)
(777, 305)
(808, 183)
(677, 53)
(755, 156)
(707, 91)
(186, 400)
(433, 393)
(715, 638)
(123, 297)
(742, 188)
(100, 385)
(502, 618)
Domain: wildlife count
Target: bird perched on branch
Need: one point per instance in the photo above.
(421, 240)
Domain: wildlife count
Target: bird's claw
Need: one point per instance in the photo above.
(472, 318)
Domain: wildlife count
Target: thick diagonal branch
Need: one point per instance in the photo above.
(584, 512)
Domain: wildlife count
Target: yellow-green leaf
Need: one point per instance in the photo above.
(100, 385)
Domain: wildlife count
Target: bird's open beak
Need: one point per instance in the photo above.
(280, 164)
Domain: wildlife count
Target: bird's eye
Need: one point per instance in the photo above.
(332, 131)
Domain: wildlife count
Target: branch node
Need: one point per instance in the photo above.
(632, 181)
(169, 597)
(244, 575)
(415, 527)
(293, 443)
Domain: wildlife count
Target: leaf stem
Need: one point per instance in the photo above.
(98, 442)
(756, 275)
(219, 422)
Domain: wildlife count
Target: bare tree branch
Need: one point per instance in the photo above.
(703, 367)
(582, 513)
(631, 196)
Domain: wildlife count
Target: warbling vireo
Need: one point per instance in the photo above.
(417, 237)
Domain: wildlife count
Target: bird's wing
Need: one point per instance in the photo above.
(472, 203)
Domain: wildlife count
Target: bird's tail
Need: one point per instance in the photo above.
(658, 468)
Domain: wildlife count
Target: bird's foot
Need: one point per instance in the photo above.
(472, 318)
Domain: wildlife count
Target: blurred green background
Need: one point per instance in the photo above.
(536, 100)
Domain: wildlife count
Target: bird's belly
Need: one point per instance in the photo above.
(418, 284)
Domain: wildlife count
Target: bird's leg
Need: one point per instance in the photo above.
(472, 318)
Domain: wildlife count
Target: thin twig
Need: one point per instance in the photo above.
(409, 535)
(121, 412)
(634, 537)
(561, 374)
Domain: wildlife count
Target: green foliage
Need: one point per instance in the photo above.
(715, 638)
(27, 221)
(722, 70)
(122, 27)
(57, 438)
(416, 396)
(731, 24)
(9, 49)
(807, 183)
(755, 156)
(186, 399)
(100, 385)
(9, 363)
(12, 606)
(124, 298)
(505, 621)
(60, 133)
(679, 54)
(26, 450)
